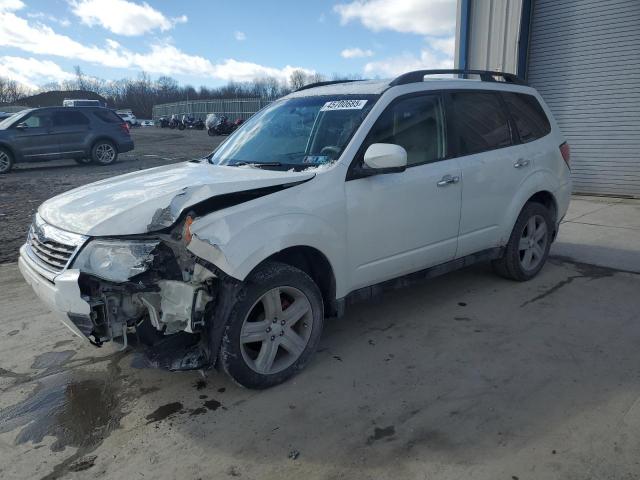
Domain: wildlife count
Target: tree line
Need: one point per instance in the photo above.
(142, 93)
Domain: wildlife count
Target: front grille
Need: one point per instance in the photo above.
(50, 247)
(51, 254)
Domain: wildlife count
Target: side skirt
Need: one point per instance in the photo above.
(367, 293)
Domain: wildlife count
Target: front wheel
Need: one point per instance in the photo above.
(181, 126)
(211, 132)
(104, 153)
(274, 327)
(529, 243)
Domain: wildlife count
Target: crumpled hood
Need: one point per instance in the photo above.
(149, 200)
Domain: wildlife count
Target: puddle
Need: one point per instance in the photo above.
(77, 409)
(165, 411)
(78, 412)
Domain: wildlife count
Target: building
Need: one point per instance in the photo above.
(583, 56)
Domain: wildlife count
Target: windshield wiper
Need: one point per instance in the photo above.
(256, 164)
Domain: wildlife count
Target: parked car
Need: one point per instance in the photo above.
(81, 102)
(330, 194)
(129, 117)
(146, 123)
(86, 134)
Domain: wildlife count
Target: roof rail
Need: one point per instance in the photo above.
(322, 84)
(485, 76)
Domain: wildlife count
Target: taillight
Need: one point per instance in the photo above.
(125, 127)
(566, 154)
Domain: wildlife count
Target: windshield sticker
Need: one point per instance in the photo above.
(343, 105)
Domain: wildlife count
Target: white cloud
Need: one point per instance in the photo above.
(397, 65)
(445, 45)
(31, 71)
(50, 18)
(423, 17)
(356, 53)
(11, 5)
(123, 17)
(161, 58)
(240, 36)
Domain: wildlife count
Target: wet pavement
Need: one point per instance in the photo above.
(465, 376)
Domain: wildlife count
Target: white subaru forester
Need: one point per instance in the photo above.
(334, 192)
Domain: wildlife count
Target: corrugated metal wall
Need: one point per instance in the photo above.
(494, 26)
(584, 59)
(232, 108)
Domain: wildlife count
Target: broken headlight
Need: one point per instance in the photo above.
(115, 260)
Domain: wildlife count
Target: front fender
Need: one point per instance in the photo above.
(237, 248)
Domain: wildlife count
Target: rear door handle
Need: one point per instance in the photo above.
(521, 163)
(448, 180)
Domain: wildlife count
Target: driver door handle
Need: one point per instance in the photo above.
(448, 180)
(521, 163)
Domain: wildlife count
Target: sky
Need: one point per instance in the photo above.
(210, 42)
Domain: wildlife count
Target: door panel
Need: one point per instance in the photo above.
(35, 142)
(490, 182)
(404, 222)
(401, 223)
(70, 128)
(492, 167)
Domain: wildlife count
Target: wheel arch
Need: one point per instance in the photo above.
(10, 149)
(315, 264)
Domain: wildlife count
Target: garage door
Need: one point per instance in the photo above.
(584, 59)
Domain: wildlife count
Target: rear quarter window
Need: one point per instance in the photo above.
(107, 116)
(527, 113)
(481, 123)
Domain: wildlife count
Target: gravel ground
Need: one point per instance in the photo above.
(30, 184)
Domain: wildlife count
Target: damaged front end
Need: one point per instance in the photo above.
(151, 291)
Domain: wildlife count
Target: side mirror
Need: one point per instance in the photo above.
(385, 158)
(22, 126)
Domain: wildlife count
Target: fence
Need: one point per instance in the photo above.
(12, 108)
(232, 108)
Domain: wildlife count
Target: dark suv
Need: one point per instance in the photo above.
(86, 134)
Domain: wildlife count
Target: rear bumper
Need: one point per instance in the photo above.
(62, 296)
(125, 146)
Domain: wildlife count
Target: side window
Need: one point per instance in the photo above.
(480, 121)
(416, 124)
(528, 115)
(38, 119)
(66, 118)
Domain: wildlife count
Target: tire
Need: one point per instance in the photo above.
(280, 347)
(181, 126)
(529, 243)
(6, 161)
(104, 152)
(83, 161)
(211, 132)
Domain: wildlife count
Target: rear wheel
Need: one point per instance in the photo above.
(104, 152)
(6, 161)
(275, 327)
(529, 244)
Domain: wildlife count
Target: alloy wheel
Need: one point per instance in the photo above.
(5, 161)
(533, 243)
(105, 153)
(276, 330)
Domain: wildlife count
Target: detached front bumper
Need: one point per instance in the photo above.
(62, 295)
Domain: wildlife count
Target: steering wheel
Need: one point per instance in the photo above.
(330, 149)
